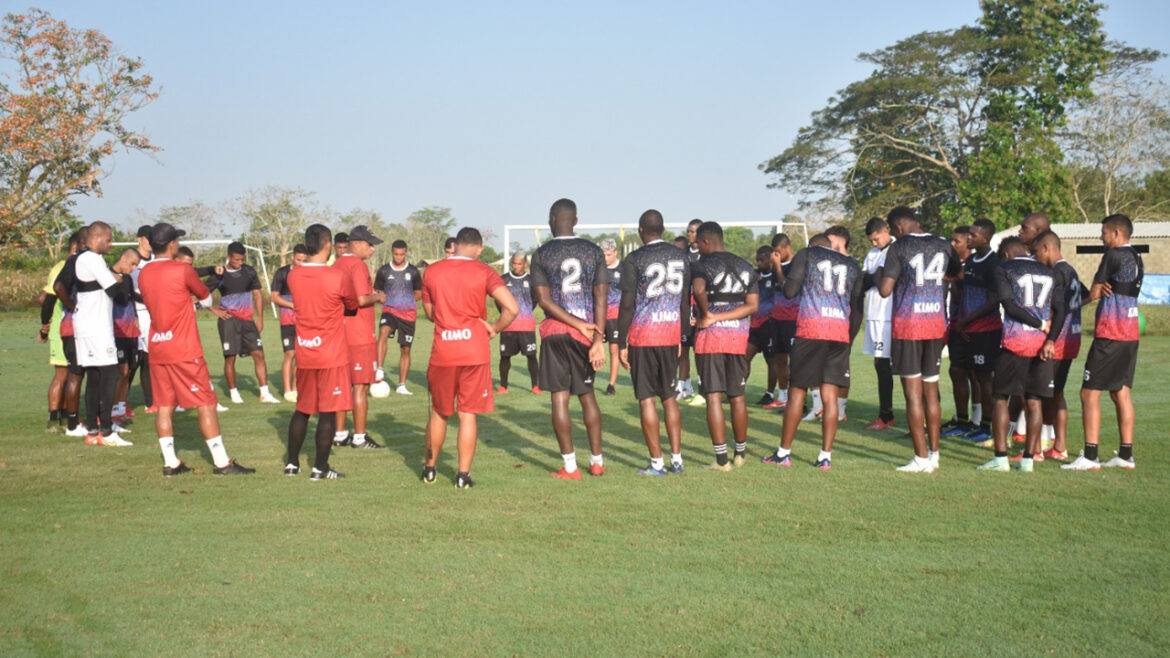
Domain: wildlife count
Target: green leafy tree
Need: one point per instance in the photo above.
(426, 230)
(276, 219)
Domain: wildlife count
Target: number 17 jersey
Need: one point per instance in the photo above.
(919, 262)
(569, 267)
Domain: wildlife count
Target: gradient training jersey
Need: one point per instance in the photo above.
(784, 309)
(323, 295)
(728, 280)
(167, 287)
(288, 316)
(359, 324)
(235, 291)
(1030, 287)
(1068, 343)
(399, 286)
(457, 289)
(613, 300)
(977, 287)
(125, 315)
(767, 298)
(1117, 314)
(521, 289)
(919, 263)
(658, 276)
(830, 292)
(569, 267)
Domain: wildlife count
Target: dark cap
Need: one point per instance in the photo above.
(162, 234)
(362, 234)
(144, 231)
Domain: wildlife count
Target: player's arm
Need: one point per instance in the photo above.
(509, 309)
(890, 272)
(277, 284)
(48, 301)
(416, 283)
(796, 274)
(856, 307)
(258, 303)
(954, 265)
(107, 279)
(684, 299)
(600, 299)
(1059, 309)
(626, 306)
(1010, 307)
(1100, 286)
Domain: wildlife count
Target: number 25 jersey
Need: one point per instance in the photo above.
(569, 267)
(919, 263)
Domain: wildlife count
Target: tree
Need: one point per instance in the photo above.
(277, 217)
(425, 231)
(65, 95)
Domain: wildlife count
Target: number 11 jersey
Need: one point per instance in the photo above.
(919, 262)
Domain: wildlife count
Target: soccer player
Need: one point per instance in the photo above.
(51, 315)
(279, 294)
(321, 295)
(519, 337)
(612, 304)
(1033, 225)
(178, 370)
(839, 239)
(1113, 354)
(126, 330)
(1033, 304)
(142, 363)
(239, 290)
(962, 379)
(685, 388)
(1046, 247)
(784, 321)
(726, 293)
(448, 247)
(830, 289)
(93, 331)
(655, 306)
(459, 373)
(360, 336)
(64, 287)
(340, 246)
(761, 333)
(878, 322)
(569, 283)
(402, 284)
(979, 325)
(914, 273)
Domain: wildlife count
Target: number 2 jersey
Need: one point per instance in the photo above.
(728, 280)
(658, 276)
(829, 287)
(1030, 295)
(919, 263)
(569, 267)
(1117, 314)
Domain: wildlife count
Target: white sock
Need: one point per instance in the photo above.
(359, 439)
(841, 402)
(234, 391)
(264, 392)
(782, 452)
(570, 462)
(167, 445)
(219, 455)
(923, 460)
(338, 436)
(740, 447)
(817, 405)
(596, 459)
(783, 395)
(1049, 433)
(822, 455)
(657, 463)
(1021, 424)
(676, 458)
(976, 414)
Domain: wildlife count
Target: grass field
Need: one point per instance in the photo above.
(102, 555)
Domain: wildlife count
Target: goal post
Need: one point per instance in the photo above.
(199, 243)
(632, 227)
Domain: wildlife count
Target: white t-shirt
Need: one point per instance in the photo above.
(877, 308)
(94, 317)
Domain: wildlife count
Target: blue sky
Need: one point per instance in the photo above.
(495, 109)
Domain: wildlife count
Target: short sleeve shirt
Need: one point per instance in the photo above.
(569, 267)
(457, 289)
(167, 287)
(613, 299)
(321, 295)
(977, 288)
(830, 283)
(658, 275)
(728, 279)
(1031, 286)
(919, 264)
(235, 289)
(94, 314)
(288, 316)
(359, 326)
(399, 286)
(521, 289)
(1117, 314)
(1068, 343)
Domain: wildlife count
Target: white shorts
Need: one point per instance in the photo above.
(878, 338)
(143, 330)
(94, 351)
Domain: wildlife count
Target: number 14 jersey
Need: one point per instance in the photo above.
(919, 262)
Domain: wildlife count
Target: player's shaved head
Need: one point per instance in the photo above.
(651, 224)
(129, 250)
(1048, 238)
(1012, 247)
(1120, 223)
(1038, 220)
(902, 221)
(820, 240)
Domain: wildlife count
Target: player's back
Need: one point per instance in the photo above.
(359, 325)
(728, 280)
(457, 289)
(1117, 314)
(1068, 344)
(569, 266)
(658, 274)
(167, 287)
(1032, 287)
(319, 293)
(922, 262)
(831, 280)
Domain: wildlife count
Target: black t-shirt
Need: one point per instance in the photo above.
(569, 267)
(656, 280)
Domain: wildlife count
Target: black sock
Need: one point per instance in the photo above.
(532, 369)
(1027, 455)
(63, 416)
(505, 368)
(1125, 451)
(1091, 451)
(326, 427)
(721, 458)
(963, 420)
(463, 474)
(885, 380)
(1001, 453)
(297, 427)
(72, 421)
(54, 415)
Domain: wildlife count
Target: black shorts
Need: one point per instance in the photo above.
(69, 346)
(404, 328)
(127, 350)
(785, 334)
(981, 350)
(764, 337)
(517, 342)
(611, 331)
(1061, 377)
(1023, 375)
(813, 362)
(722, 373)
(654, 371)
(564, 365)
(917, 358)
(288, 337)
(959, 350)
(239, 337)
(1110, 364)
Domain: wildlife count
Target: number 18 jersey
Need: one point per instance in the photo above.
(919, 263)
(569, 267)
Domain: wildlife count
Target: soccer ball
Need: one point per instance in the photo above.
(380, 389)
